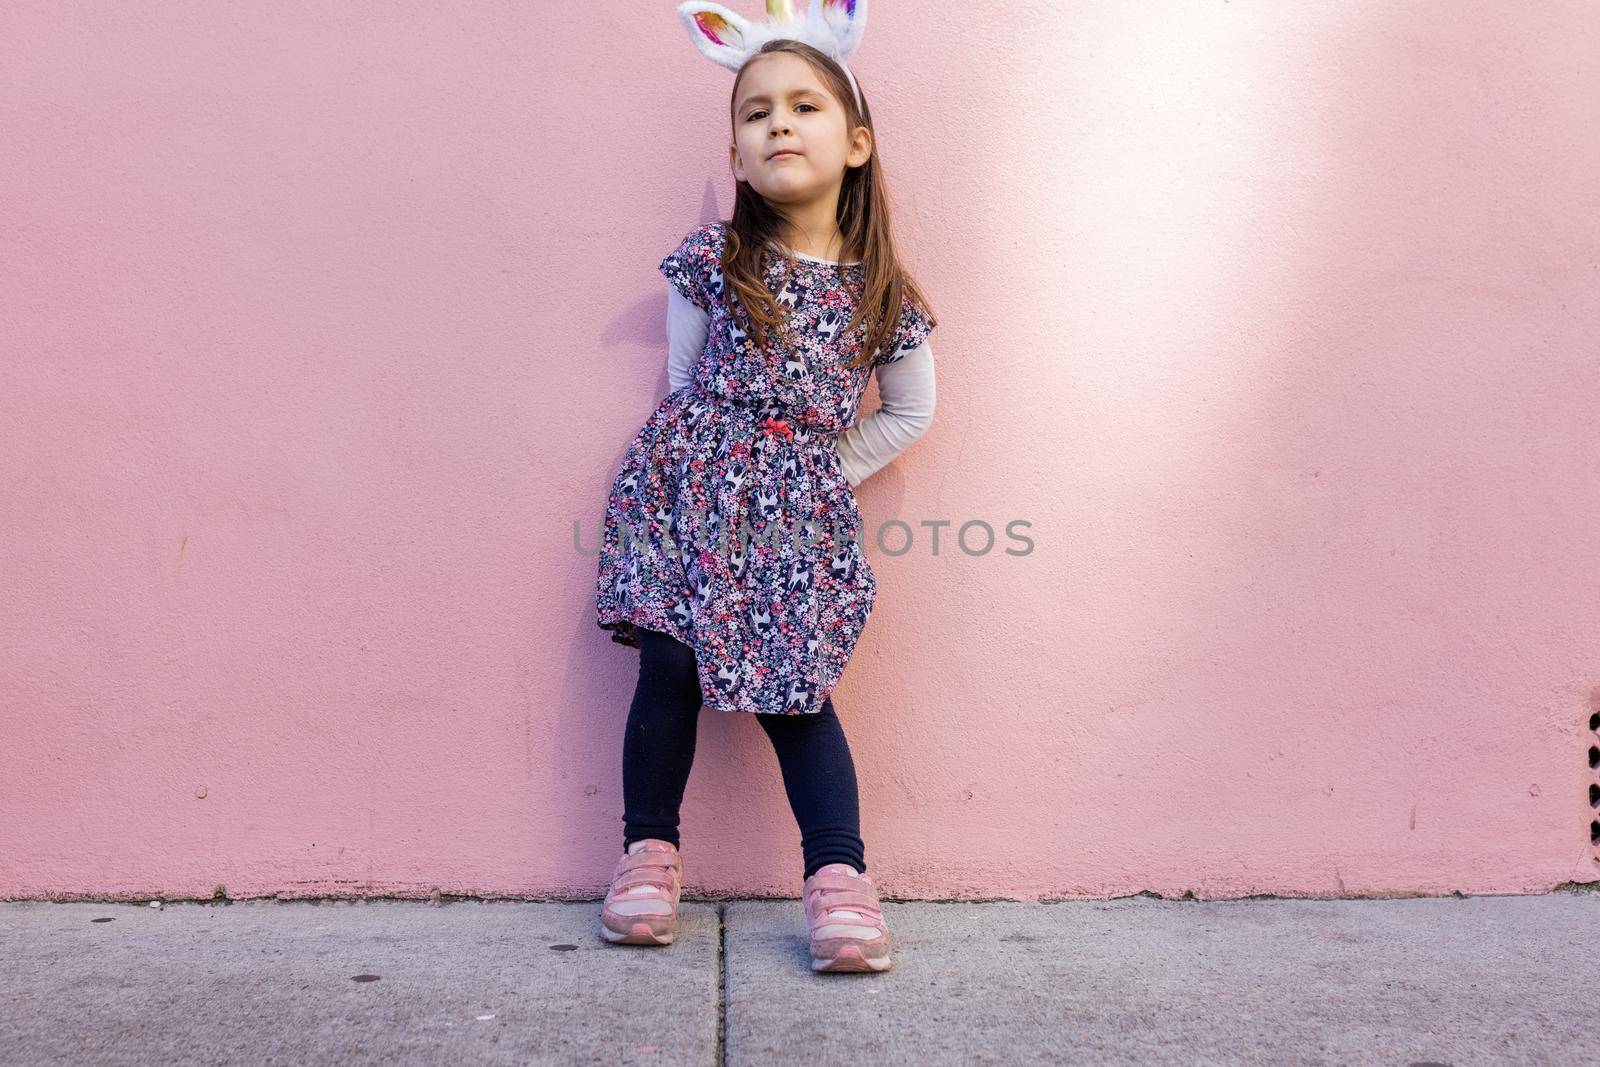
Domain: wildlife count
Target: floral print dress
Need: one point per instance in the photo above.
(730, 524)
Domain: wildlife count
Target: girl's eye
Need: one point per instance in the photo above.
(758, 112)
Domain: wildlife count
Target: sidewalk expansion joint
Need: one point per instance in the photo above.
(722, 985)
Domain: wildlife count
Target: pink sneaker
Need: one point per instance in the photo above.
(641, 907)
(845, 921)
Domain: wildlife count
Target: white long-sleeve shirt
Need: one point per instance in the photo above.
(905, 393)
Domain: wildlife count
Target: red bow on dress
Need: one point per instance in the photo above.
(772, 427)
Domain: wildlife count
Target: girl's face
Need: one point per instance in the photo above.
(783, 108)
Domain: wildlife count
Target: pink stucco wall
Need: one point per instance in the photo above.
(320, 326)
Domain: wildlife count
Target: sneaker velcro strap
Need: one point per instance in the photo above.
(645, 859)
(829, 880)
(634, 879)
(849, 901)
(868, 917)
(636, 870)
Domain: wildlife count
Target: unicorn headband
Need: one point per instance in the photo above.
(833, 27)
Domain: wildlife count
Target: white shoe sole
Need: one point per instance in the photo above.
(640, 934)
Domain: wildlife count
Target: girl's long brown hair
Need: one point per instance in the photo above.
(863, 218)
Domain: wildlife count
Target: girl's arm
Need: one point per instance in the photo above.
(905, 396)
(687, 327)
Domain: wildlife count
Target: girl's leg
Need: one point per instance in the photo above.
(820, 778)
(658, 747)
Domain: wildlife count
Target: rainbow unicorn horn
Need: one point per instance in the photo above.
(833, 27)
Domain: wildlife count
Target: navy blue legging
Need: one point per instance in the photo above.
(658, 751)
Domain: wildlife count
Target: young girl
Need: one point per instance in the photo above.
(732, 555)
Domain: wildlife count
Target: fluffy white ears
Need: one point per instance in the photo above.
(834, 27)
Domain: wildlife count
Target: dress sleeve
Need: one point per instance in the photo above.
(695, 267)
(915, 326)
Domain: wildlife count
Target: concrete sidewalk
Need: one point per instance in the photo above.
(1435, 980)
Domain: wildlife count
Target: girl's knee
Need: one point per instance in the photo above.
(668, 661)
(812, 722)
